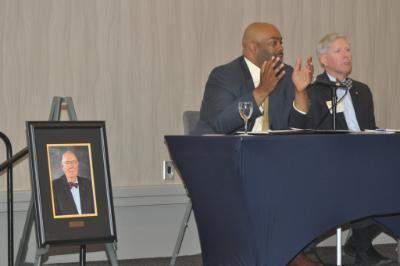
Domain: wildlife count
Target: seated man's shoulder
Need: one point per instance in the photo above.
(360, 84)
(58, 180)
(58, 184)
(84, 180)
(228, 69)
(362, 89)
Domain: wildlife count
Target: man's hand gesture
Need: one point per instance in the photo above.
(302, 77)
(271, 72)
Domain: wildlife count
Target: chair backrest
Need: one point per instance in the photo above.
(190, 119)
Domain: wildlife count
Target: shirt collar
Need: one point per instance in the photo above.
(331, 78)
(254, 71)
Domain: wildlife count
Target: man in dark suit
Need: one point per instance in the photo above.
(257, 76)
(355, 112)
(260, 77)
(73, 195)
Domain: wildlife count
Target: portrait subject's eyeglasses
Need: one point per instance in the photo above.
(69, 163)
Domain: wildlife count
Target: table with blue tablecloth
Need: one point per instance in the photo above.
(259, 200)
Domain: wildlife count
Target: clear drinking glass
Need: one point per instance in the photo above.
(245, 111)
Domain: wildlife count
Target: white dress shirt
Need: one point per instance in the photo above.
(348, 107)
(77, 198)
(255, 75)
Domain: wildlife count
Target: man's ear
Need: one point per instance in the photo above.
(253, 47)
(323, 59)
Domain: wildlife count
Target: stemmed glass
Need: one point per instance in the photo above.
(245, 111)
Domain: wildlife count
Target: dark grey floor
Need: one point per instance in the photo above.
(194, 260)
(327, 256)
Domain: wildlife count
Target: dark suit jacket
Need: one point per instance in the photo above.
(63, 200)
(229, 84)
(319, 114)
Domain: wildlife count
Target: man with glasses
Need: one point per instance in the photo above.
(73, 195)
(355, 112)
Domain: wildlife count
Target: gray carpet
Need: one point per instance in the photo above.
(327, 255)
(194, 260)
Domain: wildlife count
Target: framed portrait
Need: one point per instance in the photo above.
(71, 182)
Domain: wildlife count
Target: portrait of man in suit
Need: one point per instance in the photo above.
(73, 194)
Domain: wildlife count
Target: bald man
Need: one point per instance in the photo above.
(73, 195)
(257, 75)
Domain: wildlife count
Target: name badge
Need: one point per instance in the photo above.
(339, 107)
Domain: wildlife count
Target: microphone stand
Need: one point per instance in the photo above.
(338, 229)
(334, 102)
(334, 86)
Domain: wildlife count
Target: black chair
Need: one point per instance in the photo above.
(190, 119)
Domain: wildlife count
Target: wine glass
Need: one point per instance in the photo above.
(245, 111)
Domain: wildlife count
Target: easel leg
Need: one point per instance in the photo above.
(39, 253)
(111, 251)
(55, 110)
(70, 109)
(23, 244)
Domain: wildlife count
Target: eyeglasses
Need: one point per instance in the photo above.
(69, 163)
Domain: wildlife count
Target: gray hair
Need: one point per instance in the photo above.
(325, 42)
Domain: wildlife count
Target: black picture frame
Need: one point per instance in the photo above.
(80, 213)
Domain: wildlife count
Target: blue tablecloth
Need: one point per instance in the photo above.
(259, 200)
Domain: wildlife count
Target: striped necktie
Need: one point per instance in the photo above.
(348, 83)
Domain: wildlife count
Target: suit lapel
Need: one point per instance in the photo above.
(82, 194)
(327, 96)
(249, 84)
(245, 70)
(246, 75)
(68, 195)
(357, 103)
